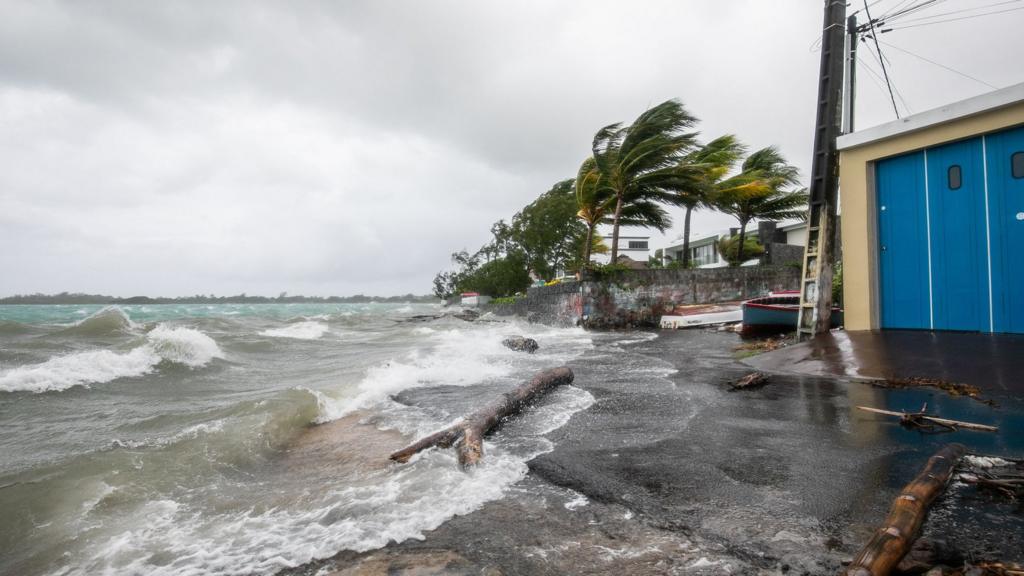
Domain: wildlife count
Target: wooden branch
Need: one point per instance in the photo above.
(893, 540)
(470, 431)
(916, 418)
(752, 380)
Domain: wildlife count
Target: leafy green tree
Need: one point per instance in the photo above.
(499, 277)
(546, 232)
(762, 190)
(636, 163)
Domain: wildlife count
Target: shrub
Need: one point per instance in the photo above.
(729, 247)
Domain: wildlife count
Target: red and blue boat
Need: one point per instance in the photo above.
(778, 312)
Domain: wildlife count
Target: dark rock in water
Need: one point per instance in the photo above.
(521, 344)
(468, 315)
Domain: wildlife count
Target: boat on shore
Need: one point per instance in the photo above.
(778, 311)
(702, 315)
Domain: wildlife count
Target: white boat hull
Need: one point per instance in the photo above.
(706, 319)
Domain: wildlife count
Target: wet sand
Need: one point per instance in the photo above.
(671, 473)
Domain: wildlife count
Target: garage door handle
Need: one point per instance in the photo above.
(883, 248)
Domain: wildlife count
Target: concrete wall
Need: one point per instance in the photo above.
(856, 177)
(640, 297)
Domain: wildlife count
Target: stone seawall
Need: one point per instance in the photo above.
(640, 297)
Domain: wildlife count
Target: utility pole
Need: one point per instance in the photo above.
(850, 91)
(816, 280)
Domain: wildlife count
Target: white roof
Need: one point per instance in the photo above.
(962, 109)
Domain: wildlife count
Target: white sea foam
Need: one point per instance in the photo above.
(309, 330)
(180, 345)
(986, 461)
(189, 433)
(404, 504)
(92, 367)
(186, 346)
(578, 502)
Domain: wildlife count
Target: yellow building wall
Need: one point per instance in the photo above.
(857, 201)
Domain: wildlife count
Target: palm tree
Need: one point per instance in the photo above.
(759, 191)
(593, 203)
(699, 174)
(636, 163)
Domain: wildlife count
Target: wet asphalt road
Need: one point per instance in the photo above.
(670, 472)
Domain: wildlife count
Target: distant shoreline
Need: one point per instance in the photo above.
(86, 299)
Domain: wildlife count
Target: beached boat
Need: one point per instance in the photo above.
(702, 315)
(777, 311)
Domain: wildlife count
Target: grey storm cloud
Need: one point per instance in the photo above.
(341, 147)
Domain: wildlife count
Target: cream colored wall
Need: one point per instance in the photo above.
(856, 175)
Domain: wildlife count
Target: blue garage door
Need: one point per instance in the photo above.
(951, 236)
(956, 198)
(1004, 156)
(903, 242)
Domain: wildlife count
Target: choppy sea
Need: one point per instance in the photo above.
(241, 439)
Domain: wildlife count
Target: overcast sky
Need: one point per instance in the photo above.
(172, 148)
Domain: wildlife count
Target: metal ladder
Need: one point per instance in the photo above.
(816, 275)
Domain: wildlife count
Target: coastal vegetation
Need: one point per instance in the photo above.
(633, 175)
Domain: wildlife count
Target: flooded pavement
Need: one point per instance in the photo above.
(669, 472)
(992, 362)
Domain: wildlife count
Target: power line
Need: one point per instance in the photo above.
(894, 9)
(884, 63)
(874, 36)
(957, 19)
(918, 56)
(912, 9)
(961, 11)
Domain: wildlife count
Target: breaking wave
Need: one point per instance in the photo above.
(178, 345)
(309, 330)
(108, 321)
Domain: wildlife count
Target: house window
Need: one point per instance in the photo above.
(701, 255)
(955, 177)
(638, 244)
(1017, 165)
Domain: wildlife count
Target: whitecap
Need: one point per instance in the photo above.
(309, 330)
(186, 346)
(180, 345)
(79, 369)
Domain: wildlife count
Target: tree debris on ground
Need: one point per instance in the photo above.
(951, 388)
(1000, 476)
(762, 345)
(923, 421)
(752, 380)
(896, 536)
(467, 434)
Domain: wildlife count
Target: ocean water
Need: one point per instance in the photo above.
(241, 439)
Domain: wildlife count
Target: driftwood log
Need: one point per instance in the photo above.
(893, 540)
(469, 432)
(923, 420)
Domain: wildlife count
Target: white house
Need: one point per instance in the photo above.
(637, 248)
(704, 247)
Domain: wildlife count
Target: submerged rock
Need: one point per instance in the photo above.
(521, 344)
(468, 315)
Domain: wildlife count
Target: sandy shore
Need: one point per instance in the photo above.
(669, 472)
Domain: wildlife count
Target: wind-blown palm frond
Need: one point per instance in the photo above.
(593, 201)
(758, 191)
(638, 162)
(697, 176)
